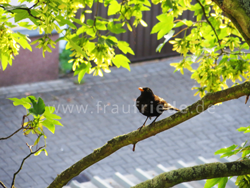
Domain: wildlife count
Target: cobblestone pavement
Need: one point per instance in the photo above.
(85, 131)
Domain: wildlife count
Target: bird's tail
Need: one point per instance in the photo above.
(170, 107)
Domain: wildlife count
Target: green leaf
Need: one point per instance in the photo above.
(38, 108)
(241, 129)
(61, 21)
(49, 110)
(157, 27)
(37, 140)
(77, 20)
(101, 26)
(114, 7)
(61, 38)
(49, 115)
(244, 46)
(89, 3)
(183, 22)
(164, 26)
(25, 102)
(76, 47)
(223, 182)
(116, 28)
(81, 75)
(110, 43)
(49, 125)
(245, 153)
(38, 152)
(129, 27)
(121, 60)
(4, 60)
(167, 37)
(211, 182)
(20, 14)
(90, 22)
(162, 17)
(224, 150)
(24, 44)
(247, 131)
(124, 47)
(34, 20)
(163, 31)
(55, 122)
(50, 121)
(45, 152)
(26, 25)
(82, 70)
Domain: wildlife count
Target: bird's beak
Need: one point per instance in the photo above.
(140, 88)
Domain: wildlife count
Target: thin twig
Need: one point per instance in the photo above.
(22, 127)
(180, 31)
(204, 12)
(14, 176)
(12, 134)
(1, 183)
(27, 9)
(96, 13)
(4, 138)
(134, 146)
(247, 97)
(29, 146)
(34, 5)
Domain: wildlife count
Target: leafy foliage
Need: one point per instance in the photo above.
(43, 116)
(220, 181)
(212, 48)
(213, 42)
(244, 149)
(87, 43)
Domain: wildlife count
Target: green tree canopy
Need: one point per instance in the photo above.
(215, 40)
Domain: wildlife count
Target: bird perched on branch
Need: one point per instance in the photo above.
(151, 105)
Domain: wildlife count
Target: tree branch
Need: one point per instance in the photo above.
(14, 176)
(120, 141)
(4, 138)
(1, 183)
(199, 172)
(27, 9)
(26, 127)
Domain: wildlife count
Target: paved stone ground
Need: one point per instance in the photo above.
(85, 131)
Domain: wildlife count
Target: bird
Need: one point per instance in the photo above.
(151, 105)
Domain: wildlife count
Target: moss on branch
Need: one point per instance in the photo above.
(133, 137)
(205, 171)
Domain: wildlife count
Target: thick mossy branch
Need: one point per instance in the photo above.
(235, 11)
(200, 172)
(123, 140)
